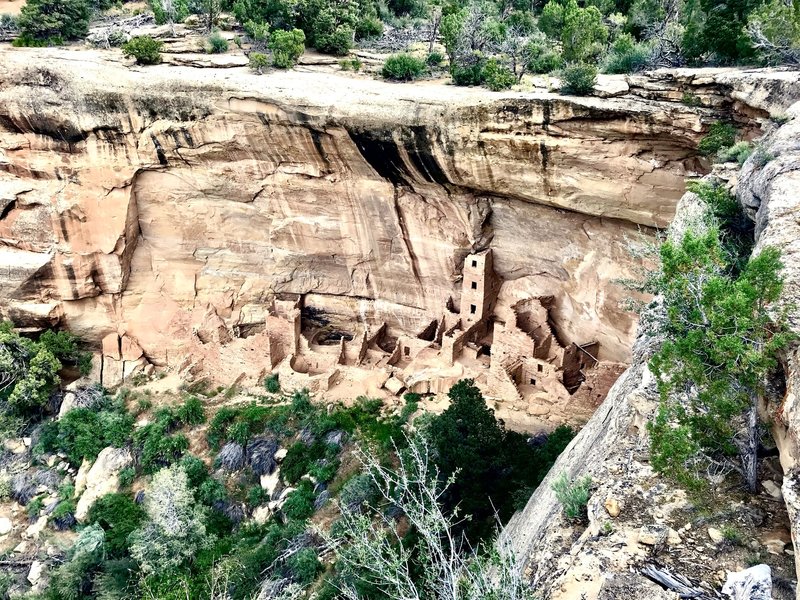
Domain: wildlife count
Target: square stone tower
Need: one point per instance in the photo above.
(478, 289)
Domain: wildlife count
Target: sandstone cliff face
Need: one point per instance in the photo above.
(769, 189)
(605, 562)
(136, 200)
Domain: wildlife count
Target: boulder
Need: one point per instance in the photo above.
(612, 507)
(102, 478)
(715, 535)
(653, 535)
(5, 525)
(35, 573)
(754, 583)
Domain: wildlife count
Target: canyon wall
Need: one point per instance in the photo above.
(140, 201)
(639, 521)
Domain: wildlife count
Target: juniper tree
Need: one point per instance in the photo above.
(721, 343)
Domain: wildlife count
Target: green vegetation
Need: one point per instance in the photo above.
(144, 49)
(721, 342)
(573, 496)
(578, 79)
(492, 469)
(272, 383)
(287, 47)
(217, 44)
(258, 62)
(403, 67)
(720, 136)
(29, 373)
(51, 22)
(83, 432)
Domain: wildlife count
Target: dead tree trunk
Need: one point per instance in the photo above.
(749, 450)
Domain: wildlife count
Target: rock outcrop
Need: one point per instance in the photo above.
(140, 202)
(613, 448)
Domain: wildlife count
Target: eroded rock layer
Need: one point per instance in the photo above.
(137, 201)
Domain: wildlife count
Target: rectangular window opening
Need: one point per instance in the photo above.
(472, 309)
(474, 285)
(539, 367)
(474, 263)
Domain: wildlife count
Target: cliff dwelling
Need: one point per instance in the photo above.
(535, 378)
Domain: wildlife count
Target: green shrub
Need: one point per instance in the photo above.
(157, 445)
(34, 507)
(690, 99)
(626, 56)
(64, 346)
(304, 566)
(299, 504)
(83, 432)
(258, 62)
(578, 79)
(126, 477)
(258, 32)
(403, 67)
(468, 71)
(176, 11)
(287, 47)
(272, 383)
(49, 21)
(498, 77)
(217, 44)
(720, 136)
(434, 59)
(739, 153)
(119, 516)
(144, 49)
(368, 27)
(761, 156)
(337, 42)
(573, 496)
(192, 411)
(351, 64)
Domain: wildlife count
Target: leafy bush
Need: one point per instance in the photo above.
(573, 496)
(626, 56)
(64, 346)
(498, 77)
(358, 493)
(299, 504)
(258, 62)
(157, 445)
(434, 59)
(144, 49)
(304, 566)
(739, 153)
(272, 383)
(578, 79)
(217, 44)
(368, 27)
(83, 432)
(119, 516)
(54, 20)
(468, 70)
(351, 64)
(286, 46)
(258, 32)
(403, 67)
(192, 411)
(720, 136)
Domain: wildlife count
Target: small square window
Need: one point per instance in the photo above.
(474, 285)
(533, 381)
(472, 309)
(474, 263)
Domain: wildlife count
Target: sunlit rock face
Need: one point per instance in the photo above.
(138, 201)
